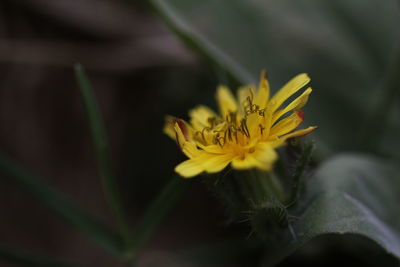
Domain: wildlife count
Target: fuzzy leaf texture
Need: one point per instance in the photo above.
(349, 194)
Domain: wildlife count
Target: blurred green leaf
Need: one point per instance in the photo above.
(101, 150)
(379, 118)
(61, 205)
(15, 257)
(157, 211)
(349, 194)
(345, 46)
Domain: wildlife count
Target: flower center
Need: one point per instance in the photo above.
(233, 128)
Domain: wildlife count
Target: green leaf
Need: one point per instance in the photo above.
(349, 194)
(157, 211)
(23, 259)
(101, 150)
(61, 205)
(345, 46)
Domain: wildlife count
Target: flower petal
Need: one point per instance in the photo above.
(263, 158)
(216, 162)
(200, 117)
(265, 155)
(246, 162)
(266, 123)
(216, 149)
(253, 124)
(299, 133)
(287, 125)
(288, 90)
(243, 93)
(190, 150)
(169, 126)
(189, 168)
(183, 132)
(207, 162)
(226, 101)
(263, 91)
(298, 103)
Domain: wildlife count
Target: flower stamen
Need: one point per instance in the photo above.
(250, 108)
(262, 128)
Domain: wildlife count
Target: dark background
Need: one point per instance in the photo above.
(138, 70)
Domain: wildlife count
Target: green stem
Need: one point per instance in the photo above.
(258, 186)
(102, 153)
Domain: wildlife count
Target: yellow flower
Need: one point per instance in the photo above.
(245, 133)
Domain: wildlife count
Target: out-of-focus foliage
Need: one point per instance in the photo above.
(61, 205)
(347, 47)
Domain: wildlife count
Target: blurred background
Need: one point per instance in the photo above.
(140, 71)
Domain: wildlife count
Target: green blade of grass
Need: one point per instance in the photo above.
(101, 150)
(61, 205)
(156, 212)
(24, 259)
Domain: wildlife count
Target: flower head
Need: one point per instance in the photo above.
(246, 131)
